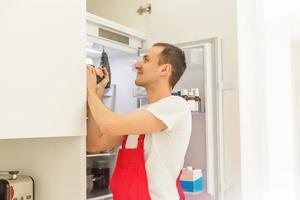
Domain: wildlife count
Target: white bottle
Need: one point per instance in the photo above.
(191, 100)
(197, 99)
(184, 93)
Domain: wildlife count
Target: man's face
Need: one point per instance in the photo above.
(148, 70)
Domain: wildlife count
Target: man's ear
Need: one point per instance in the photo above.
(166, 69)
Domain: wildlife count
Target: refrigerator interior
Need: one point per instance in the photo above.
(122, 76)
(119, 98)
(194, 77)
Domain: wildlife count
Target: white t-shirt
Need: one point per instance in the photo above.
(165, 151)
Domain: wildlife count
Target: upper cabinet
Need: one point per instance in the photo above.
(42, 68)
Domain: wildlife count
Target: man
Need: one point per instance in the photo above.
(149, 163)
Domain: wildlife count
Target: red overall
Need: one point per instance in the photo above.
(129, 181)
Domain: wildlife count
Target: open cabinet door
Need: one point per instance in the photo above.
(210, 123)
(42, 68)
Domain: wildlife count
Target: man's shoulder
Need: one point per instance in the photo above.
(178, 102)
(170, 104)
(172, 98)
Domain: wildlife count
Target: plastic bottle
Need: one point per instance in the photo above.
(184, 93)
(197, 100)
(191, 100)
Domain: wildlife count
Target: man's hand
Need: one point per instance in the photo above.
(92, 85)
(100, 87)
(91, 79)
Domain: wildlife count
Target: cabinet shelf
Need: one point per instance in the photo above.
(100, 194)
(101, 154)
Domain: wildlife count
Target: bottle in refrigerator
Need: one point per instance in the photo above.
(197, 100)
(191, 100)
(101, 172)
(177, 93)
(184, 93)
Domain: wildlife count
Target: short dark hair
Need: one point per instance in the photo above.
(175, 57)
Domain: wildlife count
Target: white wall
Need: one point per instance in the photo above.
(57, 165)
(180, 21)
(252, 98)
(270, 164)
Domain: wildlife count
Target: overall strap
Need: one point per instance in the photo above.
(179, 188)
(124, 140)
(140, 141)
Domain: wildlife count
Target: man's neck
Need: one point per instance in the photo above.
(156, 93)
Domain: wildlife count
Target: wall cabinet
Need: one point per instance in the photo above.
(42, 68)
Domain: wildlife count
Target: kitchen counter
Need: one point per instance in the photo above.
(200, 196)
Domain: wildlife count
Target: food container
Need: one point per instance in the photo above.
(191, 180)
(101, 172)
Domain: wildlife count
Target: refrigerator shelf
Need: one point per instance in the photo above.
(101, 155)
(99, 195)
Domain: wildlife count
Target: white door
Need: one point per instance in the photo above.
(42, 68)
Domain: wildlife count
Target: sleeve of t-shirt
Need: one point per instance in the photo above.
(169, 110)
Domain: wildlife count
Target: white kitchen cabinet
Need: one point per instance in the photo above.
(42, 68)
